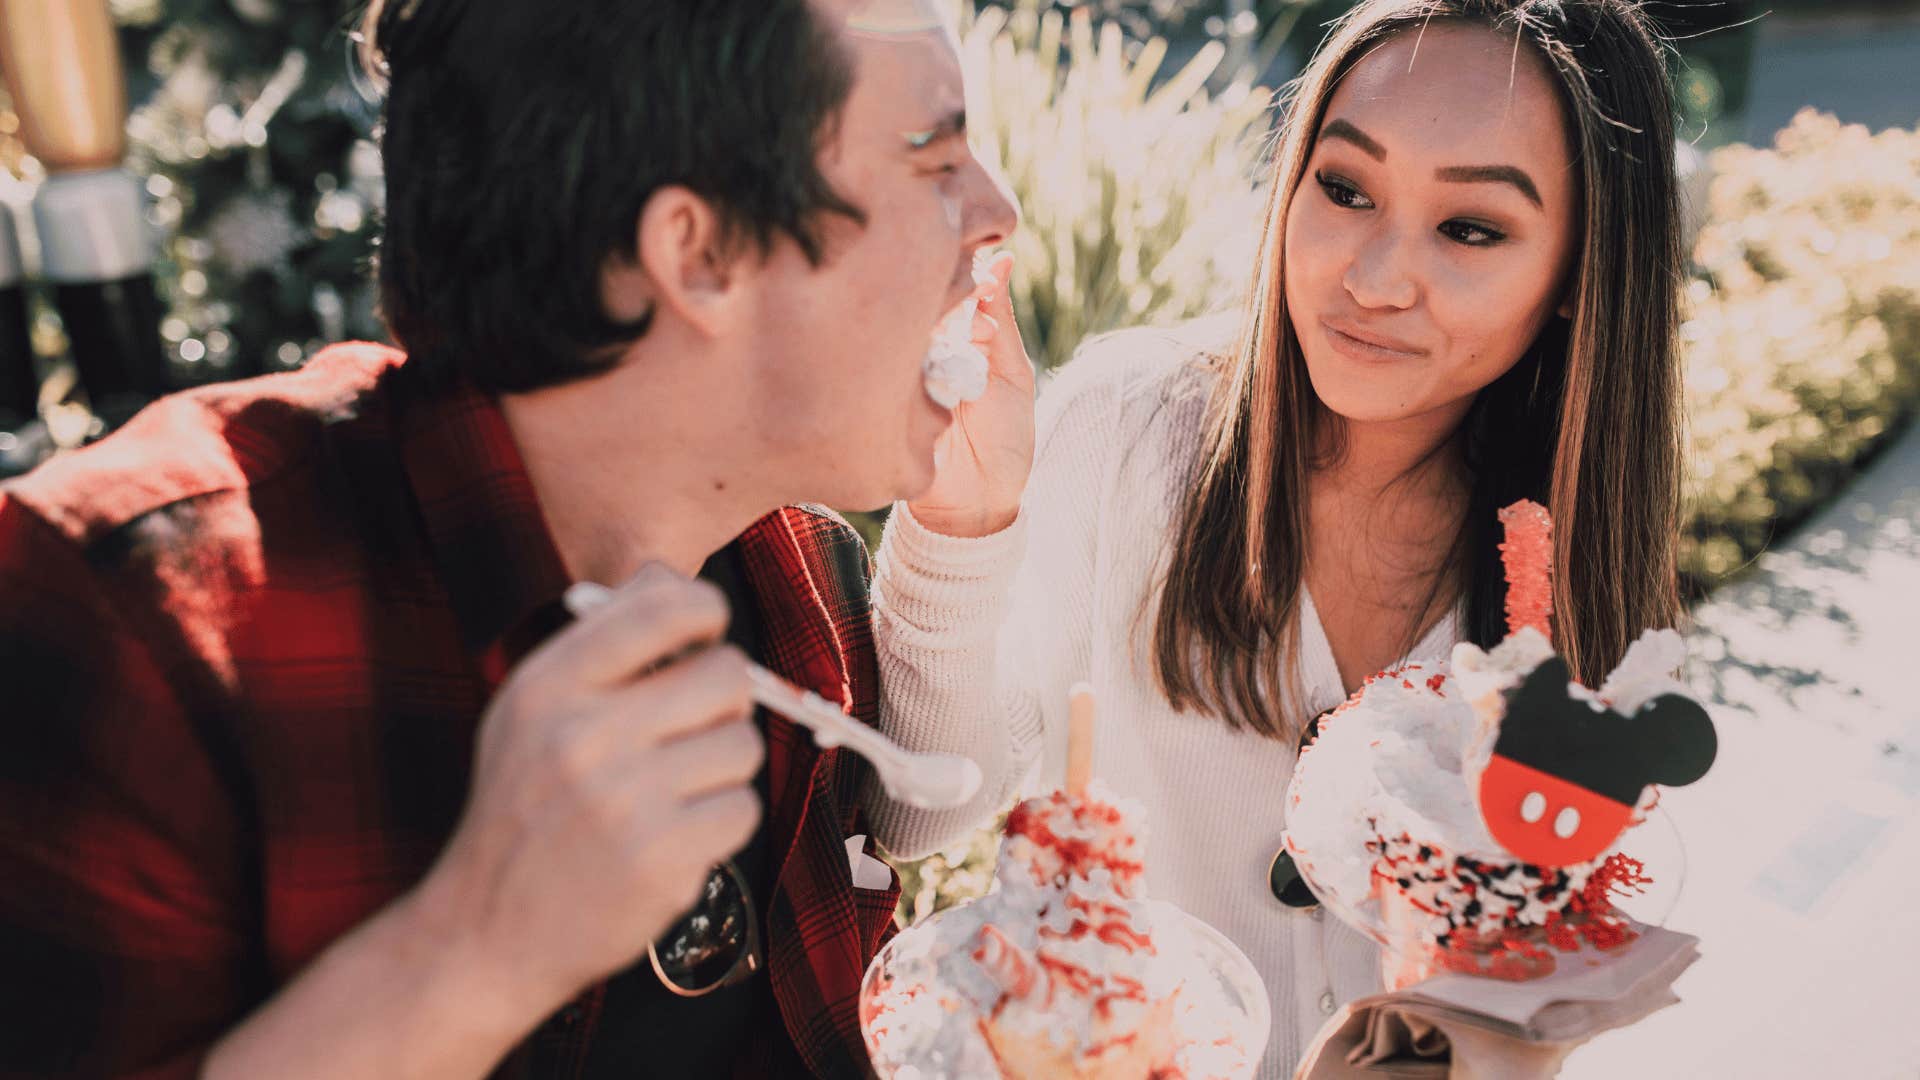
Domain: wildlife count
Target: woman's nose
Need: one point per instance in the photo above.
(1378, 277)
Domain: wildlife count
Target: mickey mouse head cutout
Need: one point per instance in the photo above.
(1567, 771)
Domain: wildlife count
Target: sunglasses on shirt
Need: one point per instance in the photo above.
(1283, 877)
(716, 944)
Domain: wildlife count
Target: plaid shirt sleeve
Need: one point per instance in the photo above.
(123, 949)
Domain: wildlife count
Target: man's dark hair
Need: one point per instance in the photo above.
(522, 139)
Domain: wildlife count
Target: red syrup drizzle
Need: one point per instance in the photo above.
(1589, 918)
(1078, 855)
(1006, 960)
(1109, 923)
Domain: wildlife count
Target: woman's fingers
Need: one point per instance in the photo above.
(1006, 352)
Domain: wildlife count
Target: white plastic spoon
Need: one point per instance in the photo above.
(927, 781)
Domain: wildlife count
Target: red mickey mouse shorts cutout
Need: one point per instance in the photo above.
(1567, 771)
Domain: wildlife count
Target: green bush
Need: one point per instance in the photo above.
(941, 880)
(1802, 335)
(1141, 200)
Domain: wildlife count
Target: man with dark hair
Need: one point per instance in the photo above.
(305, 769)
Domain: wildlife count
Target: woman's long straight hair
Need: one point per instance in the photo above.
(1588, 422)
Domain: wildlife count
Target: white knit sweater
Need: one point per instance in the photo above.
(980, 640)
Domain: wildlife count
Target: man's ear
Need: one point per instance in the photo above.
(680, 264)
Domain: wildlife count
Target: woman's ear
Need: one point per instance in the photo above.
(1570, 297)
(679, 265)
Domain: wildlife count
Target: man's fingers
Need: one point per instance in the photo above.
(653, 616)
(717, 825)
(697, 692)
(713, 760)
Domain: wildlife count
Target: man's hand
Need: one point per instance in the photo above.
(614, 768)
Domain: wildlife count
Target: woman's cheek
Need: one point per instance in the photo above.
(1306, 242)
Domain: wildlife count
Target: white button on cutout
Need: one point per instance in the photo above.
(1566, 823)
(1533, 807)
(1326, 1003)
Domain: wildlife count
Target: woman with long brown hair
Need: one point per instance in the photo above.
(1466, 295)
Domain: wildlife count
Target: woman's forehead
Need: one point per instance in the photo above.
(1455, 84)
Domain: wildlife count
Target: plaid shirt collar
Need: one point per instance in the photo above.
(490, 541)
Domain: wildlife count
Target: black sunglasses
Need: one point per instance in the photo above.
(716, 944)
(1283, 877)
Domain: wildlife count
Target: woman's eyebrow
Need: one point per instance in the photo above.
(1460, 174)
(1341, 129)
(1492, 174)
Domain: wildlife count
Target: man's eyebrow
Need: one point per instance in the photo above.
(1492, 174)
(1341, 129)
(951, 126)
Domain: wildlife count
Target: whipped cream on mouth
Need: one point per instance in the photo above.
(954, 370)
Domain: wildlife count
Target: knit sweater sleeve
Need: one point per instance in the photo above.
(977, 636)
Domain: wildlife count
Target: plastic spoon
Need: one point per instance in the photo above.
(927, 781)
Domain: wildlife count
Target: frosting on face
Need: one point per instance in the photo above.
(894, 17)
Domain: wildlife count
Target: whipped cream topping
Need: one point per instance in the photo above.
(1647, 671)
(1390, 762)
(1384, 797)
(1483, 676)
(1063, 969)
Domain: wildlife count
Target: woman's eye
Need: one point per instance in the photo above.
(1466, 232)
(1341, 193)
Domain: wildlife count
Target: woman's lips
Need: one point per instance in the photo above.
(1371, 349)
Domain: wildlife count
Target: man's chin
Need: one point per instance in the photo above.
(912, 479)
(918, 474)
(917, 481)
(913, 469)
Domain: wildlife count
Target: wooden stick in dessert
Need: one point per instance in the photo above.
(1079, 738)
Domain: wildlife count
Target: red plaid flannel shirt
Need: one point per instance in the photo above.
(244, 647)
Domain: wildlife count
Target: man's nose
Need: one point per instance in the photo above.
(992, 213)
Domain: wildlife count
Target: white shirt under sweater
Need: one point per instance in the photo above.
(980, 640)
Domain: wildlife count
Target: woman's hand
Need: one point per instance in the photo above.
(986, 454)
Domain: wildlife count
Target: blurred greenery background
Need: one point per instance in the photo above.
(1133, 132)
